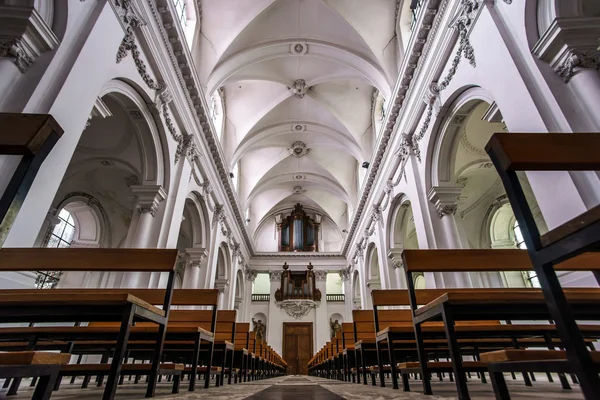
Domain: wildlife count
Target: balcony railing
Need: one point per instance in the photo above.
(336, 298)
(261, 297)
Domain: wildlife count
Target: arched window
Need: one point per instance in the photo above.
(180, 7)
(62, 234)
(520, 242)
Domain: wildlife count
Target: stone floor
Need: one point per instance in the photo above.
(309, 388)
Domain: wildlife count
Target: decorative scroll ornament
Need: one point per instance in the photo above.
(219, 214)
(132, 22)
(578, 60)
(297, 308)
(15, 49)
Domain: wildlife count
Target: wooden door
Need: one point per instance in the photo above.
(297, 346)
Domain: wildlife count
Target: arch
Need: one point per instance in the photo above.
(498, 226)
(154, 145)
(322, 50)
(223, 262)
(397, 221)
(356, 290)
(92, 228)
(441, 149)
(252, 140)
(239, 285)
(198, 212)
(372, 266)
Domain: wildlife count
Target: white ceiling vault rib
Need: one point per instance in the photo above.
(298, 78)
(355, 40)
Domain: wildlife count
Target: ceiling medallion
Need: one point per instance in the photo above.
(299, 88)
(298, 128)
(298, 190)
(298, 149)
(298, 49)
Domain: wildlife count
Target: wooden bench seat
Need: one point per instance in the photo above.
(461, 305)
(517, 360)
(172, 369)
(441, 366)
(59, 297)
(509, 296)
(33, 358)
(36, 364)
(507, 355)
(86, 305)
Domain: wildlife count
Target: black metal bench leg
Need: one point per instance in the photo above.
(499, 385)
(380, 363)
(86, 381)
(33, 381)
(425, 376)
(119, 354)
(454, 350)
(392, 358)
(211, 347)
(176, 383)
(194, 371)
(43, 390)
(405, 383)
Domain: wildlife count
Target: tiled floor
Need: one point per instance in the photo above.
(309, 388)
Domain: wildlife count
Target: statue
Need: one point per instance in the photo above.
(260, 329)
(335, 327)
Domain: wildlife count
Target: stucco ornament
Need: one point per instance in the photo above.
(299, 88)
(297, 308)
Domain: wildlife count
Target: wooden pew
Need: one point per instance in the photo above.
(241, 354)
(186, 332)
(35, 364)
(486, 304)
(62, 305)
(515, 152)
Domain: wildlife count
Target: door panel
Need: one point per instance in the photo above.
(297, 346)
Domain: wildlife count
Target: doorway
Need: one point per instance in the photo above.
(297, 346)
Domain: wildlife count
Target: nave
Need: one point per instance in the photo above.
(313, 388)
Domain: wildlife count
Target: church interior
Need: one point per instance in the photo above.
(300, 199)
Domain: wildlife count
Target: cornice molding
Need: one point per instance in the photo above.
(418, 49)
(182, 62)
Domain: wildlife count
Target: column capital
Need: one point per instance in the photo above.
(444, 198)
(195, 256)
(395, 255)
(346, 273)
(320, 275)
(274, 276)
(221, 284)
(25, 34)
(148, 197)
(250, 274)
(570, 44)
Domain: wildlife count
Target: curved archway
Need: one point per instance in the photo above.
(356, 291)
(372, 268)
(155, 165)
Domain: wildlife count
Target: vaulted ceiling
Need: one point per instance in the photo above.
(297, 82)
